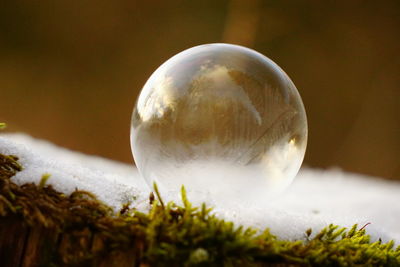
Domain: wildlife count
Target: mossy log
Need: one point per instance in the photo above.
(42, 227)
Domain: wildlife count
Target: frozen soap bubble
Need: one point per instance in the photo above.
(224, 121)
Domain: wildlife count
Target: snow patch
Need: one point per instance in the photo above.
(315, 199)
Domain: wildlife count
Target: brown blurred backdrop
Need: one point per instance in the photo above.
(70, 71)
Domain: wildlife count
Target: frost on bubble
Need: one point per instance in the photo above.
(222, 120)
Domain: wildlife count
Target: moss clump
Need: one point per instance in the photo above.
(86, 232)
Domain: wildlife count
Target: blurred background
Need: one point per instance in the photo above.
(70, 71)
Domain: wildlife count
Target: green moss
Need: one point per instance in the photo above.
(172, 235)
(2, 125)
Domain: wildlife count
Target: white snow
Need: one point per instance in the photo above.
(112, 182)
(315, 199)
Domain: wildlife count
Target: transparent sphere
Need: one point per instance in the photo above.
(224, 121)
